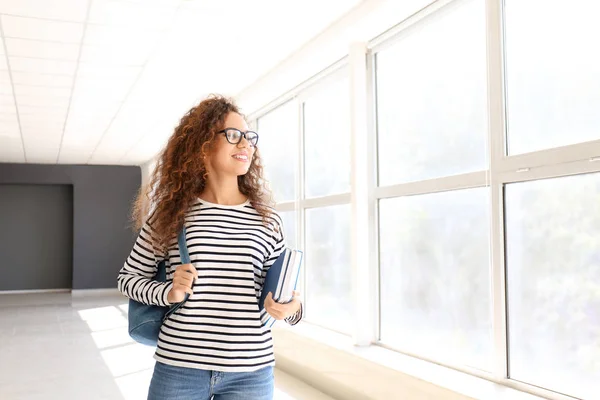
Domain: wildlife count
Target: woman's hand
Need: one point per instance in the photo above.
(281, 311)
(183, 280)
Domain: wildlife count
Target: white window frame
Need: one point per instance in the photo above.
(503, 169)
(365, 194)
(299, 95)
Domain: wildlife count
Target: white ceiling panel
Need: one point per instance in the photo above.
(110, 94)
(64, 10)
(41, 49)
(108, 35)
(41, 146)
(52, 113)
(8, 118)
(1, 45)
(43, 91)
(123, 134)
(11, 149)
(22, 64)
(108, 158)
(82, 108)
(54, 101)
(114, 80)
(84, 133)
(164, 3)
(39, 29)
(36, 126)
(8, 108)
(151, 143)
(46, 154)
(123, 54)
(80, 140)
(6, 99)
(6, 88)
(9, 125)
(132, 14)
(75, 155)
(87, 70)
(36, 79)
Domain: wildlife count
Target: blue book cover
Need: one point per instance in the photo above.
(281, 280)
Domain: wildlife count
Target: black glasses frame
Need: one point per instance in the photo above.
(252, 142)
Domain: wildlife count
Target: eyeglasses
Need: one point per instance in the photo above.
(234, 136)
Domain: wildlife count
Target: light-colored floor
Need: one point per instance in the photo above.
(58, 346)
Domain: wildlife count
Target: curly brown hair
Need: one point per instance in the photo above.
(180, 174)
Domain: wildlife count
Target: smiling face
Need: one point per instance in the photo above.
(231, 159)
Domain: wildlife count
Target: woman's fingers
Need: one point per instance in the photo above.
(281, 311)
(187, 269)
(184, 279)
(183, 288)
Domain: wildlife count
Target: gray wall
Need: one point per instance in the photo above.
(36, 239)
(102, 197)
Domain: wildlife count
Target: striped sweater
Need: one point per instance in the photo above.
(219, 327)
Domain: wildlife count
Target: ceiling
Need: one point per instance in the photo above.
(105, 82)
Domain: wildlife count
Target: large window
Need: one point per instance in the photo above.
(484, 247)
(327, 138)
(435, 247)
(435, 276)
(431, 98)
(278, 146)
(553, 73)
(553, 263)
(289, 226)
(328, 275)
(316, 218)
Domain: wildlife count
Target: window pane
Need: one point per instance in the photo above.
(435, 276)
(327, 140)
(553, 73)
(278, 146)
(328, 274)
(289, 227)
(553, 261)
(431, 98)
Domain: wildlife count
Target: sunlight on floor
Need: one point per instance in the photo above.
(111, 338)
(279, 395)
(131, 364)
(55, 346)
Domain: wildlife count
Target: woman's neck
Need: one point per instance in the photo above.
(223, 191)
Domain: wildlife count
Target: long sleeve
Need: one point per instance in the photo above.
(276, 251)
(135, 279)
(294, 319)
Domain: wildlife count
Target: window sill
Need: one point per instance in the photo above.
(330, 362)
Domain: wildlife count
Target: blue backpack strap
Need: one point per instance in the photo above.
(185, 259)
(184, 254)
(183, 250)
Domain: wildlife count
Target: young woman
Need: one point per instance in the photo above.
(210, 179)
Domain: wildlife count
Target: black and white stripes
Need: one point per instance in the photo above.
(219, 327)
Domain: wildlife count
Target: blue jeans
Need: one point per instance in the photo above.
(179, 383)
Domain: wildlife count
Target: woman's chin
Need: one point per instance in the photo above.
(241, 171)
